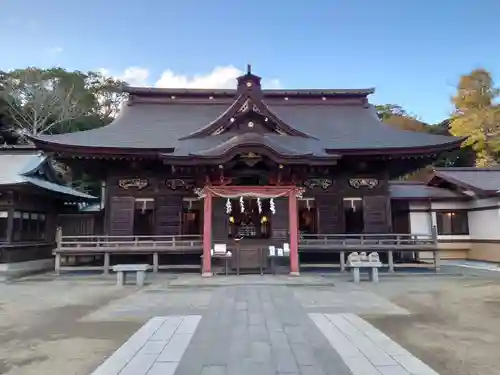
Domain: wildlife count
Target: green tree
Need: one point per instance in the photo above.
(477, 116)
(49, 101)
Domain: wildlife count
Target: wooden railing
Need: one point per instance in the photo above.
(389, 241)
(124, 243)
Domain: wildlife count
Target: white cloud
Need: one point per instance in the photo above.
(56, 50)
(221, 77)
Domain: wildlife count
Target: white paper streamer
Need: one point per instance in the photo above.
(229, 207)
(259, 205)
(272, 207)
(242, 205)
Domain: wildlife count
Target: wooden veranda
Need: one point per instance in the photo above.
(343, 244)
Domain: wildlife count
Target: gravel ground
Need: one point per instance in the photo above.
(454, 326)
(40, 331)
(45, 327)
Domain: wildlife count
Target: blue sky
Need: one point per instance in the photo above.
(413, 54)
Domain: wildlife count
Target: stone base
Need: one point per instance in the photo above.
(207, 274)
(13, 270)
(294, 273)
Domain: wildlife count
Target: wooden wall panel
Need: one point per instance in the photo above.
(376, 214)
(121, 216)
(330, 214)
(219, 220)
(168, 215)
(77, 224)
(279, 221)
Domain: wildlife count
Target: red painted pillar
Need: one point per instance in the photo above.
(294, 233)
(207, 234)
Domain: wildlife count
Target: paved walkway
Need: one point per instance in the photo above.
(254, 330)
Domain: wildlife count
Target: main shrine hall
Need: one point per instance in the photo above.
(184, 169)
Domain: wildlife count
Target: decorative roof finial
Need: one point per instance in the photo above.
(249, 69)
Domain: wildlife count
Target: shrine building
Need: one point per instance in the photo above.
(184, 169)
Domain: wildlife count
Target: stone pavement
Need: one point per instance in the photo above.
(365, 349)
(253, 329)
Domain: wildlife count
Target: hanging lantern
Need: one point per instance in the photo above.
(229, 206)
(259, 205)
(272, 207)
(242, 205)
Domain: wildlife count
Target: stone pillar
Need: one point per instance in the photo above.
(207, 235)
(294, 233)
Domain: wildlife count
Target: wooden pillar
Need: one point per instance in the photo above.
(156, 262)
(437, 261)
(390, 259)
(207, 234)
(342, 261)
(294, 233)
(107, 259)
(57, 264)
(10, 225)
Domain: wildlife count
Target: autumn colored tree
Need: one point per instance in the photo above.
(397, 117)
(477, 116)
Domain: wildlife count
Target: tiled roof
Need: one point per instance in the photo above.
(20, 167)
(483, 179)
(417, 190)
(160, 126)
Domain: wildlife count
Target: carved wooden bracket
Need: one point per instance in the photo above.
(323, 183)
(357, 183)
(138, 183)
(177, 183)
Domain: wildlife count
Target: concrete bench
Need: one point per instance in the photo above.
(139, 269)
(371, 266)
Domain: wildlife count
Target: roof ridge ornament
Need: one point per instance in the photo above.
(249, 82)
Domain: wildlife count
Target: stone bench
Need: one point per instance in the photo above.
(139, 269)
(371, 266)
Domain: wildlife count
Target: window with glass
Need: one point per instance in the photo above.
(353, 215)
(455, 222)
(29, 226)
(4, 219)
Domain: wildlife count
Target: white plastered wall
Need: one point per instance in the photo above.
(420, 218)
(484, 228)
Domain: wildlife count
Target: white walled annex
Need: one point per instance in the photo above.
(483, 240)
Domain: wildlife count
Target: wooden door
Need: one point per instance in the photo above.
(168, 215)
(330, 214)
(121, 216)
(376, 214)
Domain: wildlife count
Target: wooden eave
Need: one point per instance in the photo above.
(99, 152)
(307, 158)
(400, 152)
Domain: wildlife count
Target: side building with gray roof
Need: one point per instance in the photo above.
(31, 196)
